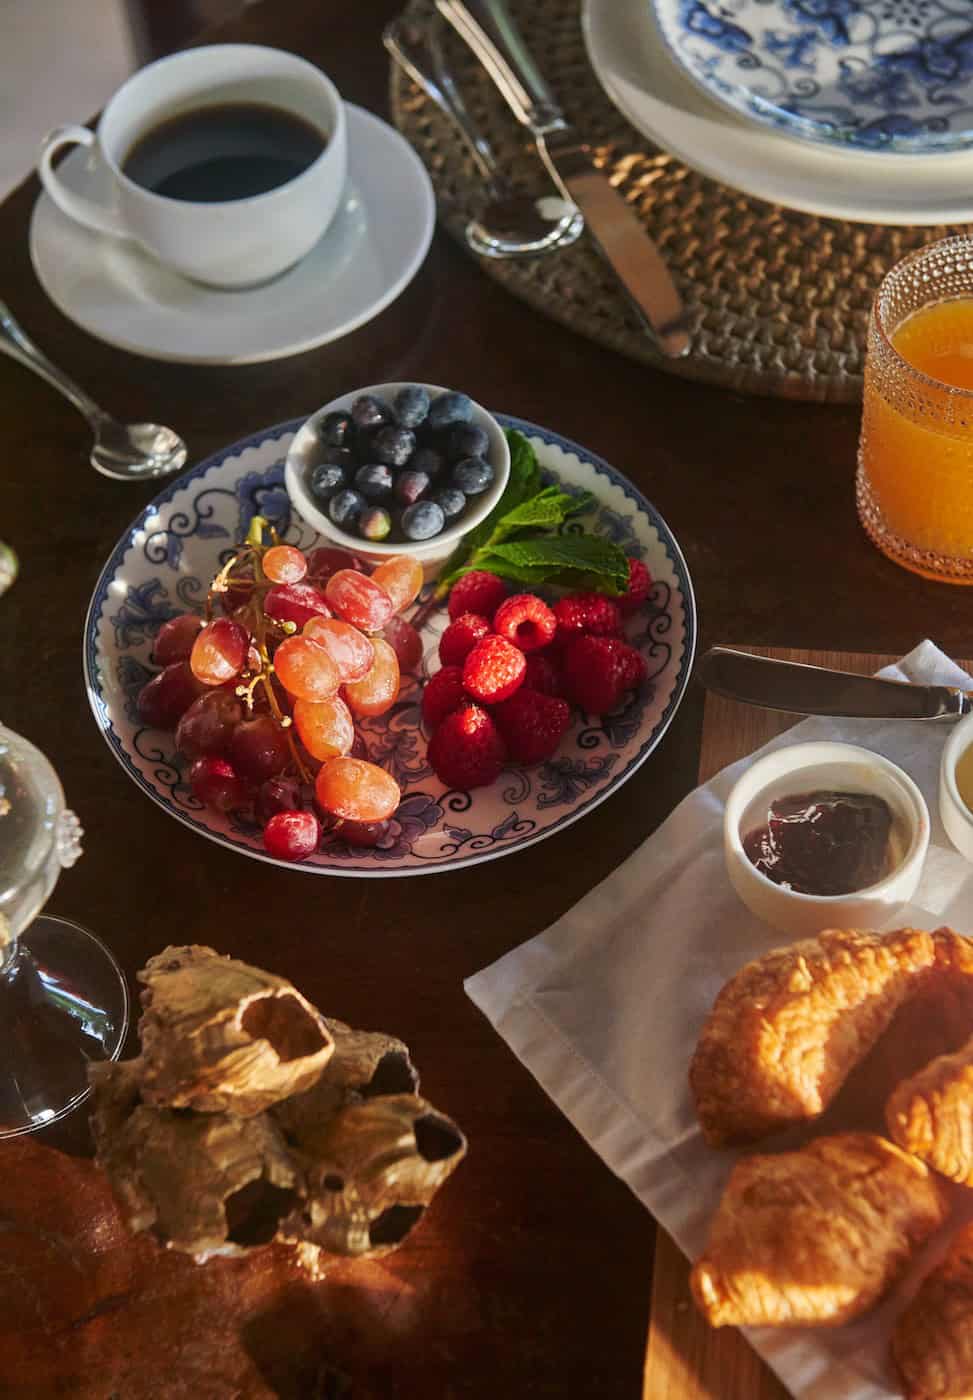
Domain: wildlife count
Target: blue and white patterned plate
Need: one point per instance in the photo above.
(163, 564)
(877, 75)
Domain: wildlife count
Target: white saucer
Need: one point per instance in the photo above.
(637, 71)
(119, 293)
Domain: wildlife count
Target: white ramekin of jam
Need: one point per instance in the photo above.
(825, 835)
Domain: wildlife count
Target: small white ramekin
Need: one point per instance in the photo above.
(302, 457)
(810, 767)
(957, 817)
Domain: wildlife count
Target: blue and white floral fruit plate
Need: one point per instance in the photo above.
(876, 75)
(162, 566)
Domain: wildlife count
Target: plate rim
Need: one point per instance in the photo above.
(925, 210)
(345, 869)
(742, 101)
(314, 341)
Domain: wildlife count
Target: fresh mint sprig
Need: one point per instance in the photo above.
(520, 540)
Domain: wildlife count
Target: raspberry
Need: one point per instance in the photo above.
(532, 725)
(493, 670)
(591, 613)
(639, 583)
(632, 666)
(525, 620)
(595, 672)
(442, 694)
(477, 592)
(461, 637)
(542, 675)
(466, 750)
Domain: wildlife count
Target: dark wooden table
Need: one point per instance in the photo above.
(533, 1273)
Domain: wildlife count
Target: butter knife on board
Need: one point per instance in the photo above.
(488, 28)
(814, 690)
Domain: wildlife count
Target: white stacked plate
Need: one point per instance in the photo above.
(703, 81)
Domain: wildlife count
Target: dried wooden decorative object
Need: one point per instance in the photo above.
(204, 1146)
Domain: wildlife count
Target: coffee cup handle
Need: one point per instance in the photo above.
(77, 206)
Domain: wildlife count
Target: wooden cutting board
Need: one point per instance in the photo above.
(685, 1358)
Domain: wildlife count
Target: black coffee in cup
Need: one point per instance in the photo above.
(233, 150)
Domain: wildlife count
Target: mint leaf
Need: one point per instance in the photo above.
(560, 558)
(545, 511)
(524, 481)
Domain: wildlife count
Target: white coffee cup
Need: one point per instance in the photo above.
(230, 243)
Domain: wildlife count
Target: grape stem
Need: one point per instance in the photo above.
(252, 552)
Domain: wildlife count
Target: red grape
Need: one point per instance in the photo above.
(259, 749)
(327, 560)
(401, 577)
(379, 689)
(405, 641)
(238, 592)
(358, 791)
(358, 600)
(349, 649)
(362, 833)
(168, 695)
(219, 651)
(326, 729)
(284, 564)
(295, 602)
(214, 782)
(208, 724)
(305, 669)
(175, 638)
(281, 794)
(292, 835)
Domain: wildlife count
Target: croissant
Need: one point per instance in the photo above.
(785, 1032)
(814, 1237)
(931, 1114)
(933, 1340)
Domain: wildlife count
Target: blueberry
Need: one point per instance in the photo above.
(338, 457)
(337, 430)
(428, 460)
(394, 446)
(467, 440)
(326, 479)
(374, 482)
(409, 486)
(370, 412)
(472, 476)
(345, 508)
(451, 502)
(422, 521)
(411, 406)
(448, 409)
(374, 523)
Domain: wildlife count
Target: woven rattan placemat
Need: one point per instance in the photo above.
(778, 300)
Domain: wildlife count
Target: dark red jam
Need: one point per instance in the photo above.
(823, 842)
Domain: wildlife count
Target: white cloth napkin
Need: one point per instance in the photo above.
(605, 1006)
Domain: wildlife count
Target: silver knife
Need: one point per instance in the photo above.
(814, 690)
(488, 28)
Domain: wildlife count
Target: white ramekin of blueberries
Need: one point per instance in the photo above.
(398, 469)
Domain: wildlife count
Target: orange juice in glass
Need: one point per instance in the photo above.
(915, 460)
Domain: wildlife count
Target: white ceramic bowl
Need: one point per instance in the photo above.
(809, 767)
(303, 456)
(957, 817)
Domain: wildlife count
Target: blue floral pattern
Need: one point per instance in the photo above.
(891, 75)
(157, 571)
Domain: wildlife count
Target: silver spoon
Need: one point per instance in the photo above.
(513, 224)
(123, 451)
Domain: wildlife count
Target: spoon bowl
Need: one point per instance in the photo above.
(130, 451)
